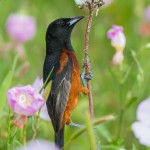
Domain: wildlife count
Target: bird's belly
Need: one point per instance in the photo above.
(74, 91)
(73, 97)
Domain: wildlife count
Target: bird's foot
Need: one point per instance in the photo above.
(76, 125)
(87, 76)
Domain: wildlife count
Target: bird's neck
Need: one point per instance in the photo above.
(53, 45)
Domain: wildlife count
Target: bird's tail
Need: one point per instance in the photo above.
(59, 139)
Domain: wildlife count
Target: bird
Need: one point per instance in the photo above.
(62, 65)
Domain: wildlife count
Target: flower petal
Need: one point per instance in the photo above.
(147, 13)
(21, 27)
(80, 2)
(44, 113)
(38, 83)
(118, 58)
(38, 145)
(143, 112)
(25, 100)
(142, 132)
(117, 37)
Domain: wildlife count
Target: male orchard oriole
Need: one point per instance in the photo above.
(66, 85)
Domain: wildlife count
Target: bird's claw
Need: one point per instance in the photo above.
(87, 76)
(76, 125)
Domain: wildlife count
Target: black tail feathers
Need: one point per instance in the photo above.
(59, 139)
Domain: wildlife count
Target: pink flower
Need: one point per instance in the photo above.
(144, 28)
(118, 41)
(117, 37)
(147, 13)
(38, 145)
(20, 27)
(24, 101)
(141, 128)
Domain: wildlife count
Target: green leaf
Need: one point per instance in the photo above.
(47, 91)
(140, 70)
(103, 131)
(46, 81)
(82, 130)
(131, 101)
(89, 128)
(134, 147)
(6, 84)
(112, 147)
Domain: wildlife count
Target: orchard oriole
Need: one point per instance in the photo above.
(62, 62)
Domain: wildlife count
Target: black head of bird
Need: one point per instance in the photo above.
(59, 32)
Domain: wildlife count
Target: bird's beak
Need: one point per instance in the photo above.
(74, 20)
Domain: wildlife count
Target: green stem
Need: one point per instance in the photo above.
(96, 122)
(120, 123)
(46, 81)
(24, 135)
(90, 134)
(37, 125)
(9, 134)
(121, 114)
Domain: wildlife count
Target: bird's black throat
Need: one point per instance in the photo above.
(55, 44)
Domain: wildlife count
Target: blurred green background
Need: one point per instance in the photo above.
(105, 87)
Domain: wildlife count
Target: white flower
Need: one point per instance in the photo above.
(142, 132)
(119, 41)
(141, 128)
(118, 58)
(37, 84)
(38, 145)
(107, 2)
(44, 113)
(80, 2)
(143, 112)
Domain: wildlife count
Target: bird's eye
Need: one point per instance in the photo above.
(61, 23)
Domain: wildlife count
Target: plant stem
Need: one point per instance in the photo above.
(37, 125)
(120, 123)
(24, 135)
(121, 115)
(94, 123)
(90, 130)
(9, 134)
(87, 60)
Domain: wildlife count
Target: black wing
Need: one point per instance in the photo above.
(57, 100)
(50, 62)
